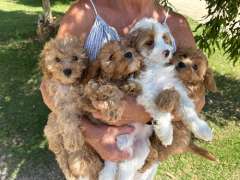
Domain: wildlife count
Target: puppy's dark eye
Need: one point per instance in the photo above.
(184, 56)
(111, 57)
(57, 59)
(167, 39)
(195, 67)
(128, 55)
(74, 58)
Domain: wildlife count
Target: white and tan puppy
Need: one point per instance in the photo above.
(158, 76)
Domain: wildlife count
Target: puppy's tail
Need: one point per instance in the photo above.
(201, 152)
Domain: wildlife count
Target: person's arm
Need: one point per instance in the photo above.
(77, 21)
(181, 31)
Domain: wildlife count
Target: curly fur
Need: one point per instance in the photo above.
(64, 64)
(195, 82)
(115, 63)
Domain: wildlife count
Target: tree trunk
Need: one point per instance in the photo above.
(47, 25)
(46, 5)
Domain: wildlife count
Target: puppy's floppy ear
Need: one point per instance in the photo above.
(131, 38)
(42, 63)
(93, 70)
(209, 81)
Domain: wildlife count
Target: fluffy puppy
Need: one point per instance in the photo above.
(192, 69)
(64, 64)
(115, 63)
(159, 75)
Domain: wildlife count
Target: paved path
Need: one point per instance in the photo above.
(195, 9)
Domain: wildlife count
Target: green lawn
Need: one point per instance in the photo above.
(23, 149)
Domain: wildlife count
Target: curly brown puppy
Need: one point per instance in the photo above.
(64, 64)
(115, 63)
(192, 68)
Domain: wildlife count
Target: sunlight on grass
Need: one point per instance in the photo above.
(30, 6)
(16, 171)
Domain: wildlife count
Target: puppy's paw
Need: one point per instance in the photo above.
(201, 130)
(100, 105)
(132, 88)
(166, 135)
(109, 92)
(109, 171)
(163, 129)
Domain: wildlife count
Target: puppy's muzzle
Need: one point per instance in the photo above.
(181, 65)
(67, 72)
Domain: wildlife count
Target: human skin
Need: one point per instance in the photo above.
(122, 15)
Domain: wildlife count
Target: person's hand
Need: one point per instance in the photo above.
(103, 139)
(47, 97)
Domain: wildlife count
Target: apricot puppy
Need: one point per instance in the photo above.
(64, 65)
(116, 62)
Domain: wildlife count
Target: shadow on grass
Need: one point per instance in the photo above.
(38, 3)
(23, 149)
(224, 106)
(19, 25)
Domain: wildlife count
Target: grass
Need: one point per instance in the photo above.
(23, 149)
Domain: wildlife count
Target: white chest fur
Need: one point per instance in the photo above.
(153, 80)
(157, 78)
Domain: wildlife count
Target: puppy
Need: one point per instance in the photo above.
(64, 64)
(159, 75)
(115, 63)
(192, 69)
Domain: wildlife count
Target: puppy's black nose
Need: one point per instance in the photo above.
(67, 72)
(166, 53)
(181, 65)
(128, 55)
